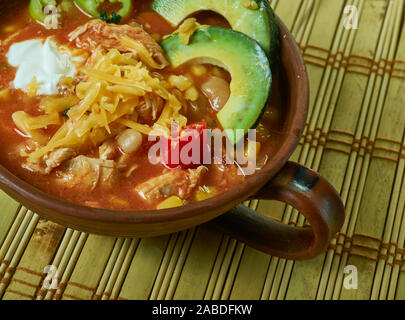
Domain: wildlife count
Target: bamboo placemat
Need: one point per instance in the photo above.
(355, 137)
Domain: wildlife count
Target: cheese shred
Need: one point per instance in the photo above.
(105, 102)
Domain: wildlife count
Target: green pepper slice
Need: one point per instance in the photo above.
(36, 8)
(91, 6)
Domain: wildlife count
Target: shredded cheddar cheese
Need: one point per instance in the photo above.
(20, 120)
(104, 103)
(44, 121)
(52, 105)
(33, 88)
(187, 29)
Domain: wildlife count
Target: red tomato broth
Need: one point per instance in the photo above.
(11, 139)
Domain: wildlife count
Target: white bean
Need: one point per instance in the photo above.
(130, 141)
(217, 91)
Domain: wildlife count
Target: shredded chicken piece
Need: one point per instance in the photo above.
(98, 33)
(36, 167)
(150, 109)
(194, 177)
(51, 161)
(57, 157)
(89, 173)
(107, 150)
(177, 182)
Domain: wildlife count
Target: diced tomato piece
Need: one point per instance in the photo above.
(192, 137)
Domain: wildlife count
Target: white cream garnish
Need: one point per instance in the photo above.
(44, 61)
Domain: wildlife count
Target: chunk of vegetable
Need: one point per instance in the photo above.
(204, 193)
(171, 202)
(191, 94)
(5, 94)
(193, 133)
(252, 149)
(92, 6)
(180, 82)
(198, 70)
(119, 202)
(130, 140)
(36, 8)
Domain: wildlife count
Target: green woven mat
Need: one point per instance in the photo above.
(354, 137)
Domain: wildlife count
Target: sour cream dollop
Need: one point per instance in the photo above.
(42, 60)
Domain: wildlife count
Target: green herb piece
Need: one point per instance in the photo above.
(65, 112)
(92, 7)
(115, 18)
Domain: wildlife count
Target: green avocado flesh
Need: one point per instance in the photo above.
(243, 58)
(259, 24)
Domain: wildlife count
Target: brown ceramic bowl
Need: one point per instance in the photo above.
(278, 180)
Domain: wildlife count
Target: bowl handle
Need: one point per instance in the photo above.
(305, 190)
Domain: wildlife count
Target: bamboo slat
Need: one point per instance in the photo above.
(142, 273)
(355, 137)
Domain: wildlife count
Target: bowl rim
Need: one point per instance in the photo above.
(13, 185)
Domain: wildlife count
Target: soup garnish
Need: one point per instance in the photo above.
(217, 45)
(85, 101)
(94, 8)
(251, 17)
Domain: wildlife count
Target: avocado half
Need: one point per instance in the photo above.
(243, 58)
(259, 24)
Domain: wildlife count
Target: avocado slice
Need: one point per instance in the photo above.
(243, 58)
(259, 24)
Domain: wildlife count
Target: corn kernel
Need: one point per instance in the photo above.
(10, 29)
(156, 36)
(218, 72)
(171, 202)
(5, 94)
(204, 193)
(191, 94)
(252, 149)
(180, 82)
(119, 202)
(198, 70)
